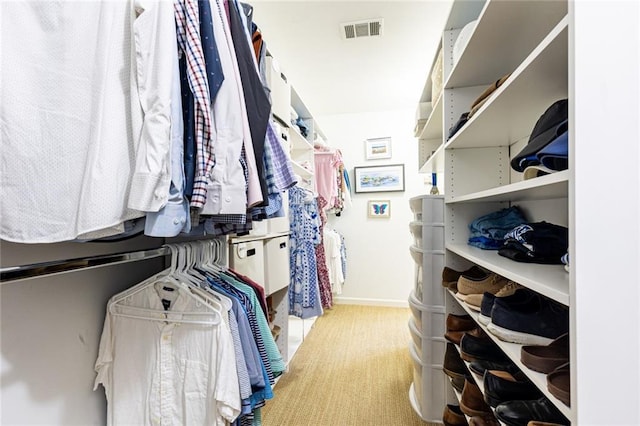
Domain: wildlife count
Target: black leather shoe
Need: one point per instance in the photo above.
(519, 413)
(500, 386)
(474, 348)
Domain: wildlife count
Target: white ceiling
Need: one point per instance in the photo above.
(337, 76)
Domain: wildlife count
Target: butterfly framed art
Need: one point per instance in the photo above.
(379, 209)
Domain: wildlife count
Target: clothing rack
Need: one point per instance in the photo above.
(54, 267)
(23, 272)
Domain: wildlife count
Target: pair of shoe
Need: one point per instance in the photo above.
(475, 287)
(480, 348)
(458, 325)
(553, 360)
(487, 300)
(502, 386)
(527, 318)
(523, 412)
(450, 276)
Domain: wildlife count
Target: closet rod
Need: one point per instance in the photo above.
(15, 273)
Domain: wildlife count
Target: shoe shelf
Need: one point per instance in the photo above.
(551, 281)
(512, 350)
(478, 381)
(540, 80)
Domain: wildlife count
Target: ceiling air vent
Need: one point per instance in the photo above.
(359, 29)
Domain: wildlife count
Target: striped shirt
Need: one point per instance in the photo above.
(189, 41)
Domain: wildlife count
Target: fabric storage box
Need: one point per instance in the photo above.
(430, 349)
(276, 259)
(427, 236)
(429, 320)
(430, 388)
(428, 208)
(247, 257)
(428, 276)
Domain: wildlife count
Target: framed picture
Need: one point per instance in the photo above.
(377, 148)
(379, 209)
(389, 178)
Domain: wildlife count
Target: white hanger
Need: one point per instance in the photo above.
(168, 277)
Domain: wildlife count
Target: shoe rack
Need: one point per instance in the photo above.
(528, 39)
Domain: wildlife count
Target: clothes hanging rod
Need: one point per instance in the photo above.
(15, 273)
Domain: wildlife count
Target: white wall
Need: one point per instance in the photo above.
(379, 267)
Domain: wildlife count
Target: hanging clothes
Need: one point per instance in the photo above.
(333, 252)
(165, 368)
(304, 218)
(323, 273)
(89, 138)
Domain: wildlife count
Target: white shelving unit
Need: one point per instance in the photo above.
(530, 41)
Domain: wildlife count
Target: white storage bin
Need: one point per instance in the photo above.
(428, 208)
(430, 388)
(247, 258)
(259, 228)
(429, 320)
(283, 135)
(280, 90)
(429, 349)
(276, 255)
(428, 276)
(427, 236)
(278, 225)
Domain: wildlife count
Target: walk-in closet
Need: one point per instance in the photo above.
(315, 213)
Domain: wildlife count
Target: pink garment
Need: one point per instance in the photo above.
(326, 169)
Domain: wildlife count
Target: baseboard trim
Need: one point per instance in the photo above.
(370, 302)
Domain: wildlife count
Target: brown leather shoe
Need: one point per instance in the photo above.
(472, 401)
(488, 420)
(453, 365)
(559, 384)
(450, 276)
(453, 416)
(545, 359)
(455, 336)
(457, 325)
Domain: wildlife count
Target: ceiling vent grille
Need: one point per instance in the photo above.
(359, 29)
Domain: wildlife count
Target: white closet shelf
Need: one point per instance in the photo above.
(549, 280)
(512, 350)
(298, 142)
(298, 169)
(435, 163)
(539, 81)
(505, 33)
(554, 185)
(433, 128)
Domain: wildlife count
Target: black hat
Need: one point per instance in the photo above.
(545, 131)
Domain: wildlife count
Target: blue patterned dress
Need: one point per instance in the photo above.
(304, 220)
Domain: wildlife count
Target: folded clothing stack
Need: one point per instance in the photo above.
(488, 231)
(548, 148)
(539, 242)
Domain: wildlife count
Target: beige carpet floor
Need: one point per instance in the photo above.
(352, 369)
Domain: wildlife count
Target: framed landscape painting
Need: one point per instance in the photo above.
(388, 178)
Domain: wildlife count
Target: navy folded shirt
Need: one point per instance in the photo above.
(538, 242)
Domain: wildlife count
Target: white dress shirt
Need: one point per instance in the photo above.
(84, 111)
(226, 194)
(163, 372)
